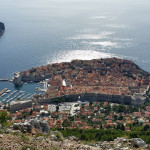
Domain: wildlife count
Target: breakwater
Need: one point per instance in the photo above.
(10, 80)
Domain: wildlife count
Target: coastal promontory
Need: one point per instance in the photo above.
(111, 79)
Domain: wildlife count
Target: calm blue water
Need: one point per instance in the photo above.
(45, 31)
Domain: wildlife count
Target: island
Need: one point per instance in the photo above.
(107, 80)
(2, 28)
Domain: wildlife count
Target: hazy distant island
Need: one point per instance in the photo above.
(2, 28)
(111, 79)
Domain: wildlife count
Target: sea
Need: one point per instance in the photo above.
(39, 32)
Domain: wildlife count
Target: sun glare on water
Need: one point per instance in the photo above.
(79, 54)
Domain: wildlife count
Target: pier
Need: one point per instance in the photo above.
(10, 80)
(3, 91)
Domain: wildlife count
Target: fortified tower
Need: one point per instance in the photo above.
(17, 78)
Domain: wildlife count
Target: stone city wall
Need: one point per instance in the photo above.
(38, 78)
(20, 105)
(93, 97)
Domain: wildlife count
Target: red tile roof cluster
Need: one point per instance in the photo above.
(105, 76)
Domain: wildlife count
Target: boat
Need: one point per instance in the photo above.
(3, 94)
(11, 94)
(8, 91)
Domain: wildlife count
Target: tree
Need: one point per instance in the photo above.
(115, 117)
(120, 117)
(83, 137)
(3, 118)
(101, 104)
(90, 103)
(143, 107)
(133, 134)
(98, 136)
(122, 127)
(146, 127)
(57, 108)
(121, 108)
(108, 108)
(71, 118)
(133, 109)
(66, 123)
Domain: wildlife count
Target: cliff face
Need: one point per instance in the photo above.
(2, 28)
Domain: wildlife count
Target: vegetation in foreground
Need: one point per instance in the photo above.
(108, 134)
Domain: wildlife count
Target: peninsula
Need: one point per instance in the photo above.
(111, 79)
(80, 103)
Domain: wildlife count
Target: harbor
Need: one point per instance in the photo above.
(26, 91)
(15, 95)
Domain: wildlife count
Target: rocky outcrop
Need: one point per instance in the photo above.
(24, 141)
(2, 28)
(123, 144)
(138, 143)
(40, 125)
(23, 127)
